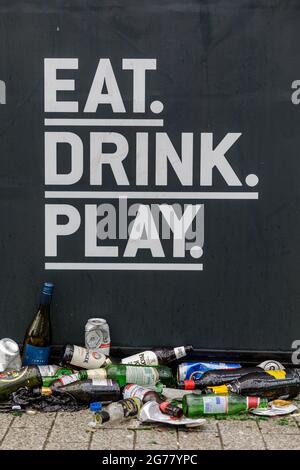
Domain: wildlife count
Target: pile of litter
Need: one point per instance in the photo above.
(155, 385)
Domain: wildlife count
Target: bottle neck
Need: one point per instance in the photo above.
(45, 299)
(46, 293)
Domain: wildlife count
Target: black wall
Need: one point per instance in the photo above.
(222, 66)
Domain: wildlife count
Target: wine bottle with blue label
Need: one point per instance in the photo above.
(37, 341)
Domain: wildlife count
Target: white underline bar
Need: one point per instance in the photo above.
(148, 195)
(104, 122)
(126, 266)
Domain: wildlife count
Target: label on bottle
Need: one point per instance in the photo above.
(102, 383)
(142, 375)
(179, 352)
(131, 407)
(69, 379)
(132, 390)
(97, 374)
(215, 405)
(48, 371)
(13, 375)
(145, 358)
(87, 359)
(277, 374)
(35, 355)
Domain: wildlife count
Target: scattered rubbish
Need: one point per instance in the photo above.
(86, 377)
(97, 335)
(271, 384)
(85, 391)
(145, 395)
(150, 413)
(95, 408)
(121, 410)
(29, 411)
(25, 398)
(195, 406)
(271, 365)
(9, 355)
(195, 370)
(12, 380)
(275, 410)
(82, 357)
(177, 394)
(155, 357)
(217, 377)
(140, 375)
(37, 341)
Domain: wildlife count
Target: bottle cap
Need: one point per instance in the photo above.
(189, 384)
(96, 406)
(47, 288)
(46, 391)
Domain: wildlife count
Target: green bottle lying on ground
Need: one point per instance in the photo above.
(195, 406)
(139, 375)
(12, 380)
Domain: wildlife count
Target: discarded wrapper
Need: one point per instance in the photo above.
(150, 413)
(177, 394)
(275, 410)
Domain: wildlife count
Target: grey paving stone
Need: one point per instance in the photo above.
(283, 425)
(24, 438)
(38, 420)
(242, 435)
(156, 439)
(63, 434)
(79, 417)
(201, 440)
(5, 419)
(276, 441)
(114, 439)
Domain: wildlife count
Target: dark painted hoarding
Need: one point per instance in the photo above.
(119, 119)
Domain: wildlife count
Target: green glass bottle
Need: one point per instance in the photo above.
(37, 341)
(12, 380)
(60, 373)
(195, 406)
(139, 375)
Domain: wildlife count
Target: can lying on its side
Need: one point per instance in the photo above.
(195, 370)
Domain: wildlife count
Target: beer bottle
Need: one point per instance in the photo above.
(86, 391)
(217, 377)
(195, 406)
(270, 383)
(37, 341)
(140, 375)
(12, 380)
(157, 356)
(82, 357)
(145, 395)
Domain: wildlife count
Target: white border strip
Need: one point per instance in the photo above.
(105, 122)
(126, 266)
(148, 195)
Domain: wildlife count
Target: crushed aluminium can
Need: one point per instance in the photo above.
(195, 370)
(97, 335)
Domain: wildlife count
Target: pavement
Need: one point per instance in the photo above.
(64, 431)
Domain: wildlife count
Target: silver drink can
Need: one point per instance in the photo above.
(9, 355)
(97, 335)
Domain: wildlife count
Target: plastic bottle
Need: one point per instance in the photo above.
(121, 410)
(96, 408)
